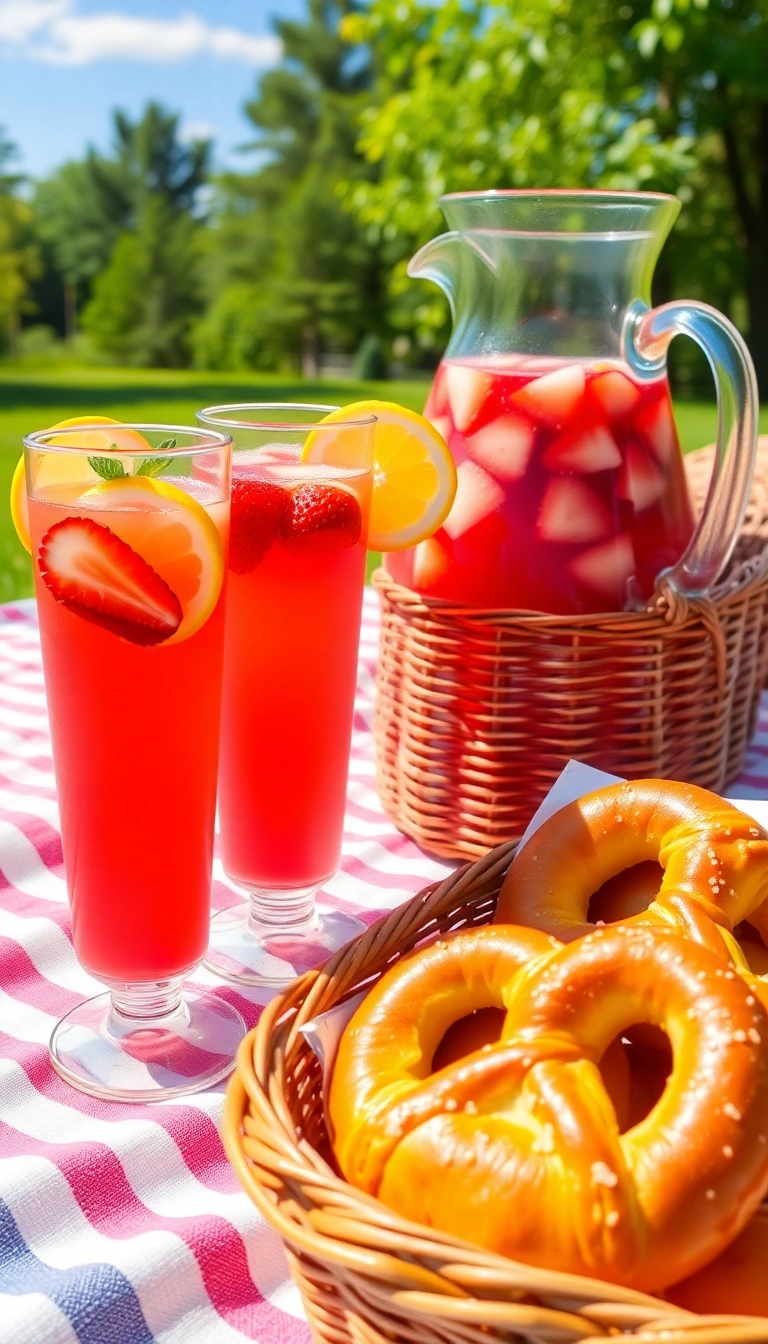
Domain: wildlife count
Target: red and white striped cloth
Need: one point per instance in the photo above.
(124, 1224)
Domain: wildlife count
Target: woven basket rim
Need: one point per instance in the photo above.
(408, 1266)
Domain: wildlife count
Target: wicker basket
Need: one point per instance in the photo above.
(477, 711)
(367, 1276)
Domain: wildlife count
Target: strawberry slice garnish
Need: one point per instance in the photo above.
(98, 576)
(323, 509)
(257, 509)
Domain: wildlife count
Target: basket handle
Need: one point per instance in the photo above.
(647, 336)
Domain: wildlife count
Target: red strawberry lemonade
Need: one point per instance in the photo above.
(128, 577)
(297, 569)
(571, 488)
(128, 541)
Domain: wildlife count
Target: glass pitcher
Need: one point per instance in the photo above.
(553, 397)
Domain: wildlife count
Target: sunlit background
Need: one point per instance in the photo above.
(217, 198)
(64, 64)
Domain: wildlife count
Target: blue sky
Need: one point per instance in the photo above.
(64, 64)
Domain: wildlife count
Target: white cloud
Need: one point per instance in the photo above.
(20, 19)
(53, 31)
(195, 130)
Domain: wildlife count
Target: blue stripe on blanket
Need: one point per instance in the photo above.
(97, 1299)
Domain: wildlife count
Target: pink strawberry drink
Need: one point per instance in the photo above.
(297, 569)
(129, 559)
(136, 789)
(571, 489)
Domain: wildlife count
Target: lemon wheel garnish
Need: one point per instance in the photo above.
(52, 469)
(174, 534)
(19, 505)
(414, 476)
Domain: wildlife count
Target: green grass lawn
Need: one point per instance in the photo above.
(34, 401)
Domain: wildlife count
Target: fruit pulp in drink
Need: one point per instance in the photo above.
(290, 669)
(135, 735)
(571, 492)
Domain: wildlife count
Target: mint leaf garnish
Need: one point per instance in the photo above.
(109, 468)
(153, 466)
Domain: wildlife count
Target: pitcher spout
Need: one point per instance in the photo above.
(443, 260)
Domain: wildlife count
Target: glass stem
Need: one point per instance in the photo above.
(281, 909)
(147, 1000)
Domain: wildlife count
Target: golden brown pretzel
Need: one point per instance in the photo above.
(517, 1146)
(628, 893)
(714, 861)
(625, 1080)
(433, 990)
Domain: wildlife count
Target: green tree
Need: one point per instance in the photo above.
(289, 268)
(8, 152)
(707, 61)
(79, 225)
(150, 160)
(145, 300)
(662, 94)
(19, 258)
(86, 207)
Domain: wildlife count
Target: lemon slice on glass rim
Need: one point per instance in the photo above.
(53, 469)
(414, 476)
(173, 533)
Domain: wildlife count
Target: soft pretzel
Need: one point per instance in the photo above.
(393, 1036)
(648, 1065)
(517, 1146)
(628, 893)
(714, 861)
(624, 1069)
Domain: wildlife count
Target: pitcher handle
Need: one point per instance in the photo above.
(647, 337)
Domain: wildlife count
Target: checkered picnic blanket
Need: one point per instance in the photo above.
(124, 1224)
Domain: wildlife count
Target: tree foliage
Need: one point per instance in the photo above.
(662, 94)
(146, 299)
(290, 267)
(19, 256)
(140, 205)
(376, 109)
(707, 61)
(76, 221)
(84, 206)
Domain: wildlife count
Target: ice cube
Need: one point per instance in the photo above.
(572, 511)
(585, 450)
(503, 447)
(477, 495)
(442, 424)
(467, 389)
(658, 429)
(431, 561)
(555, 396)
(617, 394)
(641, 480)
(607, 567)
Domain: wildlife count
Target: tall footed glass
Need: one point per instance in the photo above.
(129, 528)
(300, 505)
(553, 397)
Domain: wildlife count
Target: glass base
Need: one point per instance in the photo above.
(275, 937)
(146, 1042)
